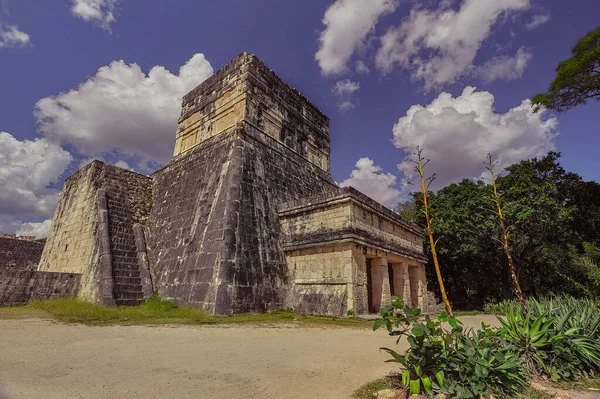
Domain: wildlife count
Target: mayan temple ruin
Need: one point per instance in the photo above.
(244, 218)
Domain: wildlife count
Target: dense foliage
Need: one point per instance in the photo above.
(451, 361)
(577, 79)
(553, 217)
(557, 339)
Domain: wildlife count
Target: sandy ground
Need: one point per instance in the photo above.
(46, 359)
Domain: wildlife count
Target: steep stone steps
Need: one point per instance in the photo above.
(128, 285)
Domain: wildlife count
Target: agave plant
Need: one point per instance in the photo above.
(548, 346)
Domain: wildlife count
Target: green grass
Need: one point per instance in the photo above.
(468, 313)
(368, 390)
(156, 311)
(532, 393)
(580, 385)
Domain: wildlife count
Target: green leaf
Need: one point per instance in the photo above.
(406, 378)
(427, 386)
(419, 330)
(439, 376)
(378, 323)
(415, 387)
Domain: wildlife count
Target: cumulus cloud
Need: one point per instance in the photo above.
(368, 179)
(347, 23)
(122, 110)
(100, 12)
(505, 67)
(27, 169)
(37, 229)
(344, 91)
(456, 133)
(11, 36)
(537, 21)
(439, 46)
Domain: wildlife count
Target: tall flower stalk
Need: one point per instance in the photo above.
(420, 164)
(505, 234)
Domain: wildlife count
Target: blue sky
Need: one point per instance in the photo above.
(449, 75)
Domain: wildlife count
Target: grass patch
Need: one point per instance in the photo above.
(157, 311)
(532, 393)
(585, 384)
(368, 390)
(468, 312)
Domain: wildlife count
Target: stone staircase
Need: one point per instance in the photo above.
(127, 285)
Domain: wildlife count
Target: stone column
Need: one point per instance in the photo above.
(400, 281)
(140, 246)
(417, 283)
(381, 283)
(360, 294)
(422, 285)
(106, 281)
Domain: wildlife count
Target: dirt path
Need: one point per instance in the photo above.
(45, 359)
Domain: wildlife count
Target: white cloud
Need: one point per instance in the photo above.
(505, 67)
(122, 110)
(344, 91)
(456, 133)
(345, 87)
(439, 46)
(361, 67)
(11, 36)
(122, 164)
(27, 168)
(368, 179)
(347, 23)
(537, 21)
(345, 105)
(37, 229)
(100, 12)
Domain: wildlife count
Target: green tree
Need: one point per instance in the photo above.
(577, 79)
(463, 226)
(552, 214)
(539, 212)
(504, 241)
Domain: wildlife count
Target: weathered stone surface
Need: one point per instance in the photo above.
(20, 254)
(92, 232)
(245, 217)
(17, 287)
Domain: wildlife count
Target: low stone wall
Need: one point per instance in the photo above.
(17, 287)
(20, 254)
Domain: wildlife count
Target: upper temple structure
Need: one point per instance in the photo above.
(244, 218)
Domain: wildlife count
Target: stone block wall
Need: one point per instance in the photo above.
(215, 106)
(18, 287)
(20, 254)
(282, 113)
(246, 90)
(214, 236)
(129, 200)
(73, 242)
(346, 215)
(321, 277)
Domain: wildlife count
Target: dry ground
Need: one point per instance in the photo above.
(46, 359)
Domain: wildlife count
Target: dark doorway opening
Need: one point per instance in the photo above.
(369, 286)
(391, 277)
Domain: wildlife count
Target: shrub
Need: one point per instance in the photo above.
(450, 362)
(557, 348)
